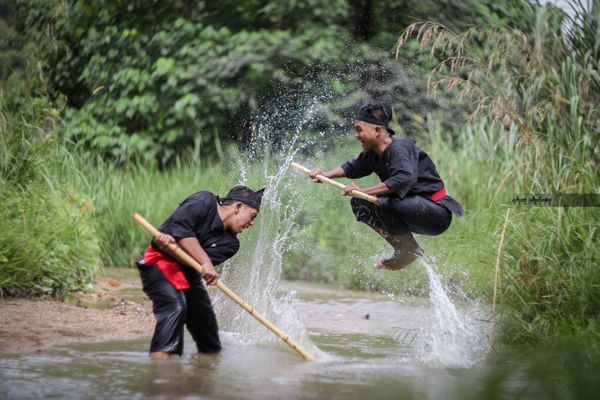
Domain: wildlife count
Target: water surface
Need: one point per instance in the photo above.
(367, 345)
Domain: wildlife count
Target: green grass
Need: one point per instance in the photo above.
(48, 246)
(117, 193)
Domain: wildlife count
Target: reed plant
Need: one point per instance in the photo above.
(539, 86)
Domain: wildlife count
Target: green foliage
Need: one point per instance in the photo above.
(11, 43)
(163, 81)
(154, 82)
(157, 80)
(48, 245)
(176, 85)
(296, 15)
(545, 97)
(552, 276)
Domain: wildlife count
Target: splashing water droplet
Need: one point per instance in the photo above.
(254, 274)
(452, 340)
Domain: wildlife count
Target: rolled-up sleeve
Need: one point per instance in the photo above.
(403, 172)
(359, 167)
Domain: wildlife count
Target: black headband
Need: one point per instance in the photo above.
(366, 116)
(365, 113)
(246, 196)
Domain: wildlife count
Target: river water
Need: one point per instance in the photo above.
(367, 346)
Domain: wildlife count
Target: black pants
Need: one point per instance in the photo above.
(414, 213)
(175, 308)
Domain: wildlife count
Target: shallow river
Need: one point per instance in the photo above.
(367, 346)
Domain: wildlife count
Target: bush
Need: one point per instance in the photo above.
(48, 245)
(159, 80)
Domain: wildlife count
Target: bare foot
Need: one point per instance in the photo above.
(399, 260)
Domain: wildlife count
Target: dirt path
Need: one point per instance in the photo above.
(115, 309)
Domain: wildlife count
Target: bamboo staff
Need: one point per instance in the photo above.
(324, 179)
(196, 265)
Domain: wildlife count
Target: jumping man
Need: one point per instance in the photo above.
(412, 197)
(206, 228)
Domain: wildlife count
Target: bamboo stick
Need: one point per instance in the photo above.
(196, 265)
(497, 278)
(324, 179)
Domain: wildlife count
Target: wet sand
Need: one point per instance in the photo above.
(115, 309)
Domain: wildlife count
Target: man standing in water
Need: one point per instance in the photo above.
(412, 197)
(206, 228)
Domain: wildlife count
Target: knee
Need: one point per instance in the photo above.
(179, 308)
(383, 210)
(175, 308)
(391, 220)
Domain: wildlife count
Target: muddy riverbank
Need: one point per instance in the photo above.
(115, 308)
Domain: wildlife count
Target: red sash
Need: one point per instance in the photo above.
(169, 268)
(440, 194)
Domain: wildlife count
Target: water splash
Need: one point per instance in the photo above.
(452, 341)
(256, 271)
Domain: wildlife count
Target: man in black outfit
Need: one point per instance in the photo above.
(206, 228)
(412, 197)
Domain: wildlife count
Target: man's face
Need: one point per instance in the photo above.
(243, 218)
(367, 134)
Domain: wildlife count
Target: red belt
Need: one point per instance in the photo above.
(169, 268)
(440, 194)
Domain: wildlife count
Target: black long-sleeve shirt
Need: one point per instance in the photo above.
(404, 168)
(197, 217)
